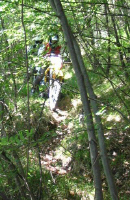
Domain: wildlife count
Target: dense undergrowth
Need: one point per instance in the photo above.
(45, 155)
(55, 153)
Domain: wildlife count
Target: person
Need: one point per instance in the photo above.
(51, 53)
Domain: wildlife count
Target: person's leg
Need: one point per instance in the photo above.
(38, 79)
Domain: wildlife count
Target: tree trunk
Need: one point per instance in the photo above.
(82, 78)
(18, 176)
(100, 131)
(119, 45)
(90, 126)
(19, 164)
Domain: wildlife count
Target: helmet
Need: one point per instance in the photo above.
(38, 40)
(54, 39)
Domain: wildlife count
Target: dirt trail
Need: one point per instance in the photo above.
(54, 160)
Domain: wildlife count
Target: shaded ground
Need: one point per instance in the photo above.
(58, 164)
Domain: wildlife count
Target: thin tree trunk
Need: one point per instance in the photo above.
(82, 76)
(119, 45)
(2, 109)
(109, 46)
(27, 71)
(90, 127)
(17, 175)
(23, 174)
(10, 68)
(100, 130)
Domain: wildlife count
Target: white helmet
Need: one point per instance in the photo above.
(54, 38)
(38, 39)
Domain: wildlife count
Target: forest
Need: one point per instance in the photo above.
(81, 151)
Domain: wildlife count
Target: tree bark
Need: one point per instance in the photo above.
(84, 84)
(100, 130)
(18, 176)
(119, 45)
(89, 120)
(19, 164)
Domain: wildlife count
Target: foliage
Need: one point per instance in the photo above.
(29, 130)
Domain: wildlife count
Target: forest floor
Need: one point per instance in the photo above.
(59, 160)
(54, 160)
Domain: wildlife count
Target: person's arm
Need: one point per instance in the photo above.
(47, 49)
